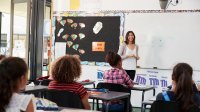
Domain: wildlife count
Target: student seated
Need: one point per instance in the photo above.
(182, 88)
(116, 74)
(65, 71)
(13, 79)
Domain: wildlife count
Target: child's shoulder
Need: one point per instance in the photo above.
(17, 100)
(17, 95)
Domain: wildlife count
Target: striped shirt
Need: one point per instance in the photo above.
(73, 87)
(118, 76)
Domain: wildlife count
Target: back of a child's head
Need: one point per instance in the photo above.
(182, 75)
(181, 72)
(66, 69)
(11, 70)
(113, 58)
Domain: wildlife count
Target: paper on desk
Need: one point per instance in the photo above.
(139, 86)
(31, 84)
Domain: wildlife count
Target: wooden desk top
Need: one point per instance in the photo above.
(111, 95)
(142, 88)
(86, 83)
(35, 88)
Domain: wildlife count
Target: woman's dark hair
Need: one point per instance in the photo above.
(126, 41)
(182, 75)
(66, 69)
(113, 58)
(11, 70)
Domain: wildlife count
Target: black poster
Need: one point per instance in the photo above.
(89, 37)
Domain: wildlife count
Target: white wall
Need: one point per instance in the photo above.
(146, 5)
(92, 5)
(165, 39)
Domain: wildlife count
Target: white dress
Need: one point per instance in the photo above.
(129, 63)
(19, 102)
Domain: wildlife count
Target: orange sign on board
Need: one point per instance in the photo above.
(98, 46)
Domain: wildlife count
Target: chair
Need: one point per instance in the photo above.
(164, 106)
(64, 98)
(169, 106)
(117, 88)
(45, 82)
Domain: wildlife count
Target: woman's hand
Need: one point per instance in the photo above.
(132, 55)
(137, 57)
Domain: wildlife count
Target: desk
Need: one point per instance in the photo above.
(107, 97)
(87, 83)
(36, 90)
(143, 89)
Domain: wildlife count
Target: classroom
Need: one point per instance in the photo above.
(93, 47)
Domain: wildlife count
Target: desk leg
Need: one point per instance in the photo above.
(93, 85)
(97, 105)
(143, 107)
(154, 92)
(107, 106)
(92, 104)
(128, 101)
(142, 100)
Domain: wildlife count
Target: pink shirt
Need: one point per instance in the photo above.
(118, 76)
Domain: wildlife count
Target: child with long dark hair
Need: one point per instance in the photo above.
(13, 79)
(182, 88)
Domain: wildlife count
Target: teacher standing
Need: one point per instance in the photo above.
(129, 54)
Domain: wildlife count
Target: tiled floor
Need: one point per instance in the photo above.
(139, 110)
(136, 109)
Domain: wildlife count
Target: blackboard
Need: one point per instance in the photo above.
(109, 34)
(165, 39)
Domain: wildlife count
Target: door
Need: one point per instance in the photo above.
(19, 29)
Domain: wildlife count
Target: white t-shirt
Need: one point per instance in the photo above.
(129, 63)
(19, 102)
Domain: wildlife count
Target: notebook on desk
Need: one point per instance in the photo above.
(95, 91)
(139, 86)
(44, 104)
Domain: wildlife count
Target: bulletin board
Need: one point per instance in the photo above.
(90, 37)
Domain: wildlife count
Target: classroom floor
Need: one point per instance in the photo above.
(139, 110)
(135, 109)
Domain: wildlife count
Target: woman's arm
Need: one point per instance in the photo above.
(121, 51)
(137, 49)
(85, 102)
